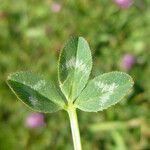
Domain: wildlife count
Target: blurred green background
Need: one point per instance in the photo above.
(32, 33)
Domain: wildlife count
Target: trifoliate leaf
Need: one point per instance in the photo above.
(74, 67)
(37, 93)
(104, 91)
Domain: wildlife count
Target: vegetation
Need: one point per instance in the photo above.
(31, 37)
(74, 90)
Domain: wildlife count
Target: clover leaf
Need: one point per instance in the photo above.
(75, 89)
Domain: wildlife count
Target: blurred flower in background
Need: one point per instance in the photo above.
(56, 7)
(35, 120)
(127, 61)
(124, 3)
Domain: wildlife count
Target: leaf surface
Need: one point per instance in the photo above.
(35, 92)
(75, 65)
(104, 91)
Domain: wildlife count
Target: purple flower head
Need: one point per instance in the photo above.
(35, 120)
(124, 3)
(56, 7)
(127, 61)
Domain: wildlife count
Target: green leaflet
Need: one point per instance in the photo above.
(104, 91)
(37, 93)
(75, 65)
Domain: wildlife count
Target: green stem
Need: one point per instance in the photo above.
(74, 128)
